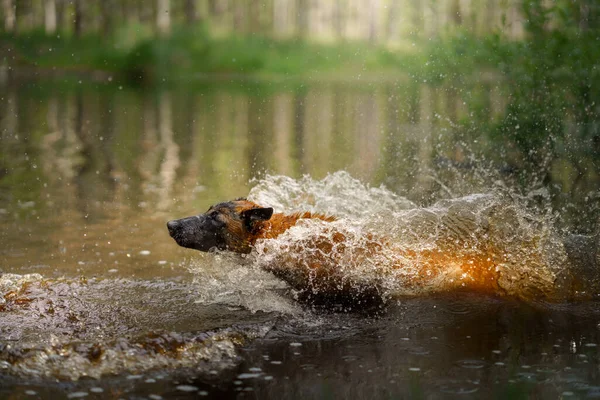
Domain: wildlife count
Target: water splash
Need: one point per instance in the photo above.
(382, 245)
(73, 328)
(337, 194)
(209, 353)
(229, 279)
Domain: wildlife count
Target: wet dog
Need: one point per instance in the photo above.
(333, 265)
(314, 266)
(234, 226)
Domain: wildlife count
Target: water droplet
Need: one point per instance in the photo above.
(186, 388)
(77, 395)
(248, 375)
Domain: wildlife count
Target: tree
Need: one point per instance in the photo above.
(302, 11)
(106, 17)
(163, 16)
(78, 18)
(10, 15)
(191, 12)
(50, 16)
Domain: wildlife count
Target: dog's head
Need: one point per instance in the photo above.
(226, 226)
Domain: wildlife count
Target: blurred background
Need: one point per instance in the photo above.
(131, 110)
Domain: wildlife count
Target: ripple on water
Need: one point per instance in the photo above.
(544, 369)
(527, 377)
(458, 307)
(419, 351)
(471, 364)
(457, 387)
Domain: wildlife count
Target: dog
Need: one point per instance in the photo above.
(314, 267)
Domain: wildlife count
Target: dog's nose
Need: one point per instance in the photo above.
(172, 226)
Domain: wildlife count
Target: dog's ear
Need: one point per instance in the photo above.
(256, 214)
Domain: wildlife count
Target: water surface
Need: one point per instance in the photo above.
(98, 299)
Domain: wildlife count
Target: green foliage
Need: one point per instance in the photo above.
(552, 75)
(137, 56)
(462, 56)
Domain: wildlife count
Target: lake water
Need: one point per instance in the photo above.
(99, 302)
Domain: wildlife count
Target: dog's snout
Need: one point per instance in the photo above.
(172, 226)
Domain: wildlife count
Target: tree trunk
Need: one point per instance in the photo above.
(191, 14)
(456, 15)
(254, 20)
(106, 17)
(302, 11)
(373, 20)
(163, 16)
(280, 18)
(60, 14)
(584, 13)
(10, 15)
(145, 11)
(391, 31)
(50, 16)
(130, 10)
(240, 17)
(78, 20)
(339, 19)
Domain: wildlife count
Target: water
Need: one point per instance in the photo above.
(97, 300)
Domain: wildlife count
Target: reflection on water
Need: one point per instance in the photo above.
(100, 168)
(89, 176)
(437, 348)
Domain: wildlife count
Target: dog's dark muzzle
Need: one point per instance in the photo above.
(196, 232)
